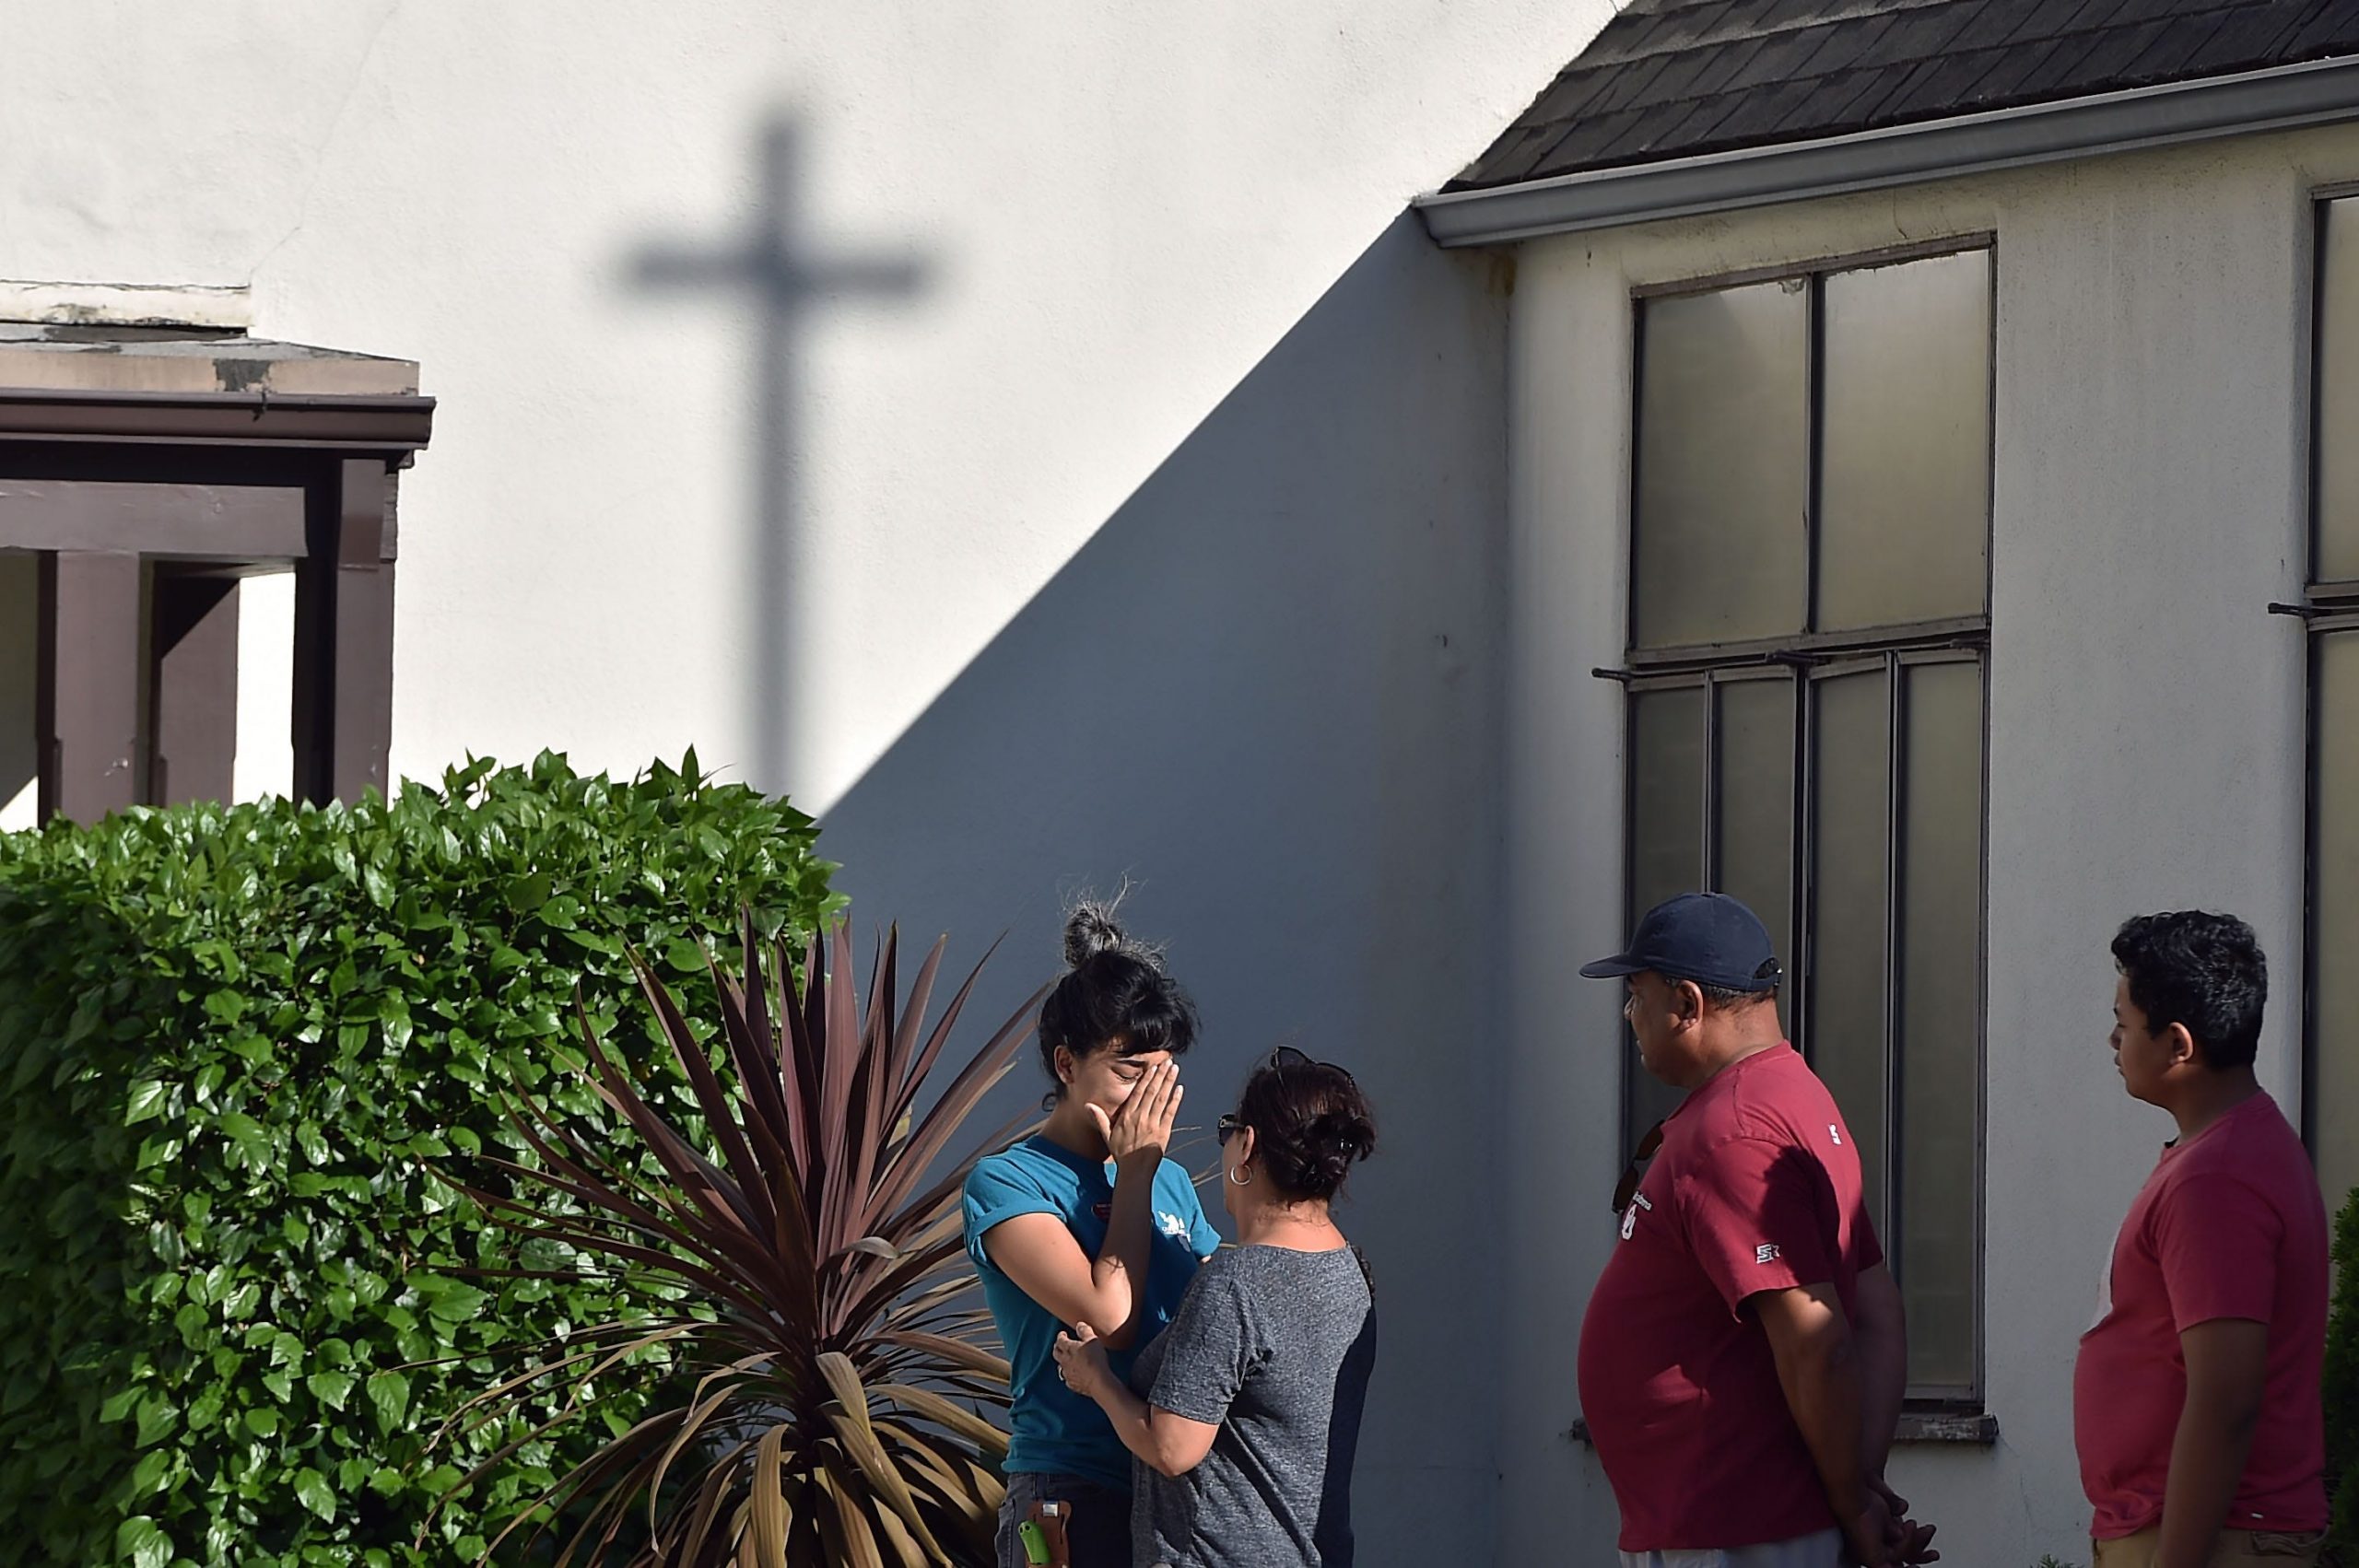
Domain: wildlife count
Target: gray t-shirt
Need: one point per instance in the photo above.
(1276, 1347)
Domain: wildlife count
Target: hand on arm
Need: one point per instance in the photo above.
(1039, 1253)
(2227, 1370)
(1172, 1444)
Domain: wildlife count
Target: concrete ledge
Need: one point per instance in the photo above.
(228, 307)
(1941, 1426)
(70, 358)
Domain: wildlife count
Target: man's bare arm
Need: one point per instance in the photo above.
(2227, 1370)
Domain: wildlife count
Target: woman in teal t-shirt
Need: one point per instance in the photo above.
(1086, 1221)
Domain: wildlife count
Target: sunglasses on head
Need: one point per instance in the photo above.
(1284, 1058)
(1632, 1174)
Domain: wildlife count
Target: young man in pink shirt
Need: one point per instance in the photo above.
(2196, 1400)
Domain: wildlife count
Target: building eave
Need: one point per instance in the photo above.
(2281, 98)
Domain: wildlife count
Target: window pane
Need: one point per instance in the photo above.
(1941, 1075)
(1722, 452)
(1905, 443)
(1666, 842)
(2336, 902)
(1850, 761)
(1756, 762)
(2337, 438)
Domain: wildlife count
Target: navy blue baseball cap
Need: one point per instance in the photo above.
(1709, 938)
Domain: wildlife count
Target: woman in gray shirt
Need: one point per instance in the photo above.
(1247, 1409)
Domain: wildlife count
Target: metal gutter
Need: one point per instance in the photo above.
(2281, 98)
(395, 426)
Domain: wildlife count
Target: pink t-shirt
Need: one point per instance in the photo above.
(2230, 1225)
(1757, 1188)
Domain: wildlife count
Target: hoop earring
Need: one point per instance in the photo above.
(1233, 1181)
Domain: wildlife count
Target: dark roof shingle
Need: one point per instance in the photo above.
(1674, 78)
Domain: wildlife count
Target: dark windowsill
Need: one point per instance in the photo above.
(1978, 1428)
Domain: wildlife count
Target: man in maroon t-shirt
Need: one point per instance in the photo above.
(1743, 1360)
(2196, 1401)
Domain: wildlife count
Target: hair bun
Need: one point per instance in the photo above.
(1342, 1137)
(1090, 931)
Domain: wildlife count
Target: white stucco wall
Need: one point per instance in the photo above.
(1155, 528)
(1113, 213)
(2145, 735)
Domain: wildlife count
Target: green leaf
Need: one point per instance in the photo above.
(330, 1388)
(244, 1130)
(157, 1417)
(312, 1141)
(313, 1489)
(142, 1541)
(389, 1392)
(455, 1303)
(147, 1101)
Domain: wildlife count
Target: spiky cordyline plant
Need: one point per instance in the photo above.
(838, 1355)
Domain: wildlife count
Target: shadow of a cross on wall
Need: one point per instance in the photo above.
(775, 271)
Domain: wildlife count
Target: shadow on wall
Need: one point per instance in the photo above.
(1269, 691)
(775, 272)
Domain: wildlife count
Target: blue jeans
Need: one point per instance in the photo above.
(1097, 1531)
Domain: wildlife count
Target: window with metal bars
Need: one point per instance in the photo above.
(1808, 649)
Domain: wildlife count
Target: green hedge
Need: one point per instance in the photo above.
(2342, 1390)
(237, 1303)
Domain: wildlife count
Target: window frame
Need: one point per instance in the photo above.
(2326, 607)
(1803, 659)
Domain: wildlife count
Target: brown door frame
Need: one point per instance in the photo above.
(107, 485)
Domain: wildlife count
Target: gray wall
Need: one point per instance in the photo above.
(1269, 690)
(2145, 735)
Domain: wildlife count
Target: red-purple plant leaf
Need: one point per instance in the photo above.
(752, 1057)
(906, 1073)
(714, 1101)
(941, 1035)
(948, 1114)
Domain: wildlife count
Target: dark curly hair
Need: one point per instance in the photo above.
(1310, 1124)
(2205, 971)
(1114, 993)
